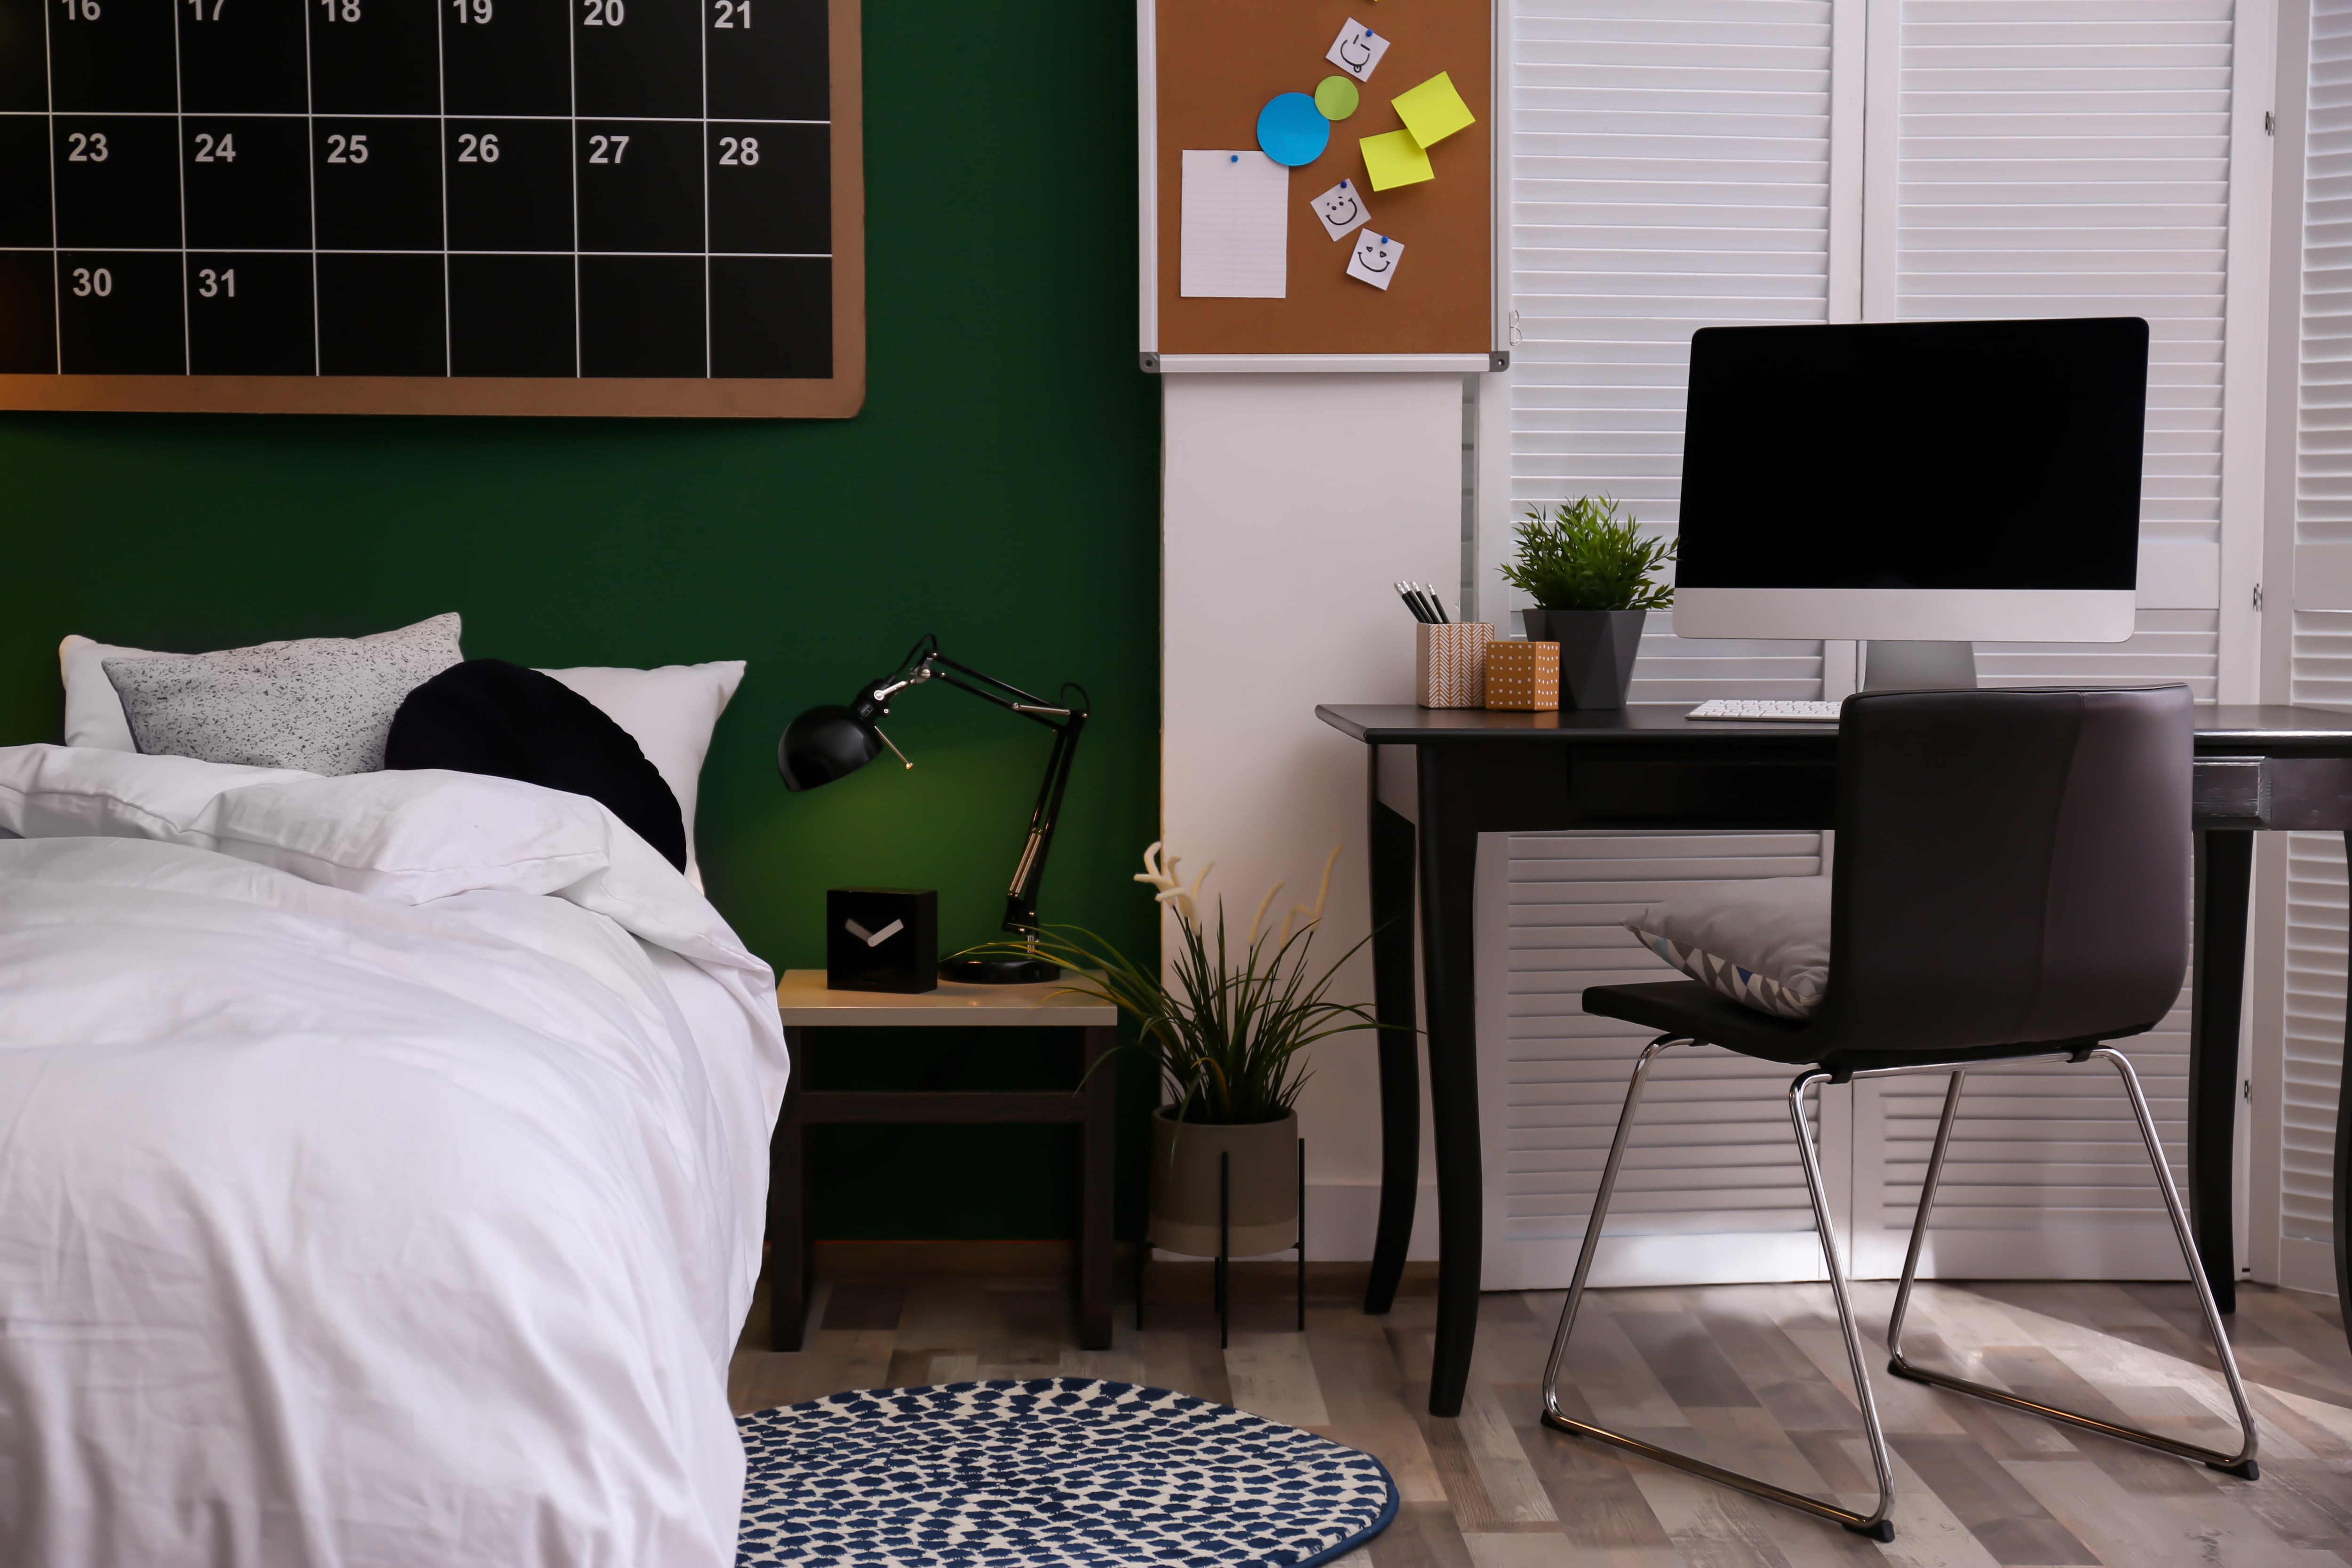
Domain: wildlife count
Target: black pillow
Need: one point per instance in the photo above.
(487, 716)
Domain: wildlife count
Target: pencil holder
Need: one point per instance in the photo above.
(1449, 664)
(1523, 677)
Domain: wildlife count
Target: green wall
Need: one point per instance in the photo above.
(1000, 488)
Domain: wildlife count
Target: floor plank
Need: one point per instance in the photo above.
(1753, 1377)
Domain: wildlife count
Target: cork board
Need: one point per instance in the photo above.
(1216, 64)
(540, 207)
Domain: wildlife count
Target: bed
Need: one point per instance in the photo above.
(381, 1160)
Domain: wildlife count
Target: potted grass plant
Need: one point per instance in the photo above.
(1594, 579)
(1227, 1025)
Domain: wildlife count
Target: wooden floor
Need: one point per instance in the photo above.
(1751, 1377)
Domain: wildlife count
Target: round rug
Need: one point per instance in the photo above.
(1045, 1473)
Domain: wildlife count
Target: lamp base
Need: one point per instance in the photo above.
(999, 970)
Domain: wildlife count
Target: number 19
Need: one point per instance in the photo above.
(474, 11)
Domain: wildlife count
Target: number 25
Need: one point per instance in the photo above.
(347, 149)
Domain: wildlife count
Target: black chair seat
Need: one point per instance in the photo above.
(1688, 1008)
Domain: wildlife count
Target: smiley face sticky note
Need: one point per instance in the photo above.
(1357, 50)
(1395, 158)
(1433, 111)
(1341, 209)
(1374, 259)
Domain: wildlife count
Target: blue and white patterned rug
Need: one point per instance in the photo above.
(1056, 1472)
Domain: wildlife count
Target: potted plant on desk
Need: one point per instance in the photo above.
(1227, 1028)
(1591, 577)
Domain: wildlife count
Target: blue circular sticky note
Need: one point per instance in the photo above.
(1291, 130)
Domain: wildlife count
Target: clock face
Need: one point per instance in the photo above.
(881, 939)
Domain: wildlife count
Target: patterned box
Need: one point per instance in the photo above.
(1449, 664)
(1523, 677)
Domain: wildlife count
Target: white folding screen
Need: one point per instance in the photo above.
(1683, 163)
(2297, 1152)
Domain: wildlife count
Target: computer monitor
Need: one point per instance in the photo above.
(1920, 481)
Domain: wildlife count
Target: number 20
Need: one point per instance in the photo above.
(730, 9)
(602, 14)
(738, 149)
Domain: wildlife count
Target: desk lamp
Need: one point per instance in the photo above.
(830, 740)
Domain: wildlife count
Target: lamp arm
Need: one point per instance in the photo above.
(1021, 899)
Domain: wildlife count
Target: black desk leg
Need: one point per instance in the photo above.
(2225, 867)
(1098, 1135)
(1449, 858)
(791, 1249)
(2344, 1163)
(1400, 1046)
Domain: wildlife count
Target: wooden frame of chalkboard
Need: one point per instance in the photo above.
(1204, 69)
(586, 219)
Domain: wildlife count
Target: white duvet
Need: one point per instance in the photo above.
(381, 1170)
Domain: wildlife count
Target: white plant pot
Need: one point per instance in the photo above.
(1263, 1215)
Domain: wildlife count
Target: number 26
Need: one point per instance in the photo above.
(730, 9)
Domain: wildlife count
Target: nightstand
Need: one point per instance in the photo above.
(805, 1004)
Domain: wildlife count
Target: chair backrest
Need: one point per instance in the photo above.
(2011, 867)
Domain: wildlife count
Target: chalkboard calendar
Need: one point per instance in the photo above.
(422, 206)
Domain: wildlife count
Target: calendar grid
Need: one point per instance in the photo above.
(429, 222)
(180, 138)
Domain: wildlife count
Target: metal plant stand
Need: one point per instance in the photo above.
(1222, 1289)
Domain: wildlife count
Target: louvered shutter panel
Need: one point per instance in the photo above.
(2072, 158)
(1670, 171)
(2319, 657)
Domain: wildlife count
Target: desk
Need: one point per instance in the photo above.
(1439, 777)
(805, 1004)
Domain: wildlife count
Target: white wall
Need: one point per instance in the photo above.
(1289, 504)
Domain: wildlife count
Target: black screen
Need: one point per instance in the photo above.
(1930, 455)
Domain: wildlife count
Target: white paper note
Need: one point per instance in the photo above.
(1237, 230)
(1375, 258)
(1341, 209)
(1357, 50)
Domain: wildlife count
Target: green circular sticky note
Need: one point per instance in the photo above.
(1336, 97)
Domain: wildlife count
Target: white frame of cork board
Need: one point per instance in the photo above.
(1146, 107)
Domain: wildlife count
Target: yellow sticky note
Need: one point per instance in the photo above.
(1395, 158)
(1433, 111)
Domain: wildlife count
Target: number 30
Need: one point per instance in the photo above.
(89, 281)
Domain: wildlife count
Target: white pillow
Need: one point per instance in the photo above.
(72, 792)
(669, 712)
(418, 834)
(1764, 943)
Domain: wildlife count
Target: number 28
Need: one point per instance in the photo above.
(738, 149)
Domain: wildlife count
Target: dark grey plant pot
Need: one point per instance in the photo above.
(1596, 652)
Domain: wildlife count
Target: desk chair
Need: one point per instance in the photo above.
(2010, 884)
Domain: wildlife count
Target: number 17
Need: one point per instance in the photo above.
(205, 16)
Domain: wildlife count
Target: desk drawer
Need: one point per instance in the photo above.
(1735, 793)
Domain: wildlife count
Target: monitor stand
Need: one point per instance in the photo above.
(1918, 666)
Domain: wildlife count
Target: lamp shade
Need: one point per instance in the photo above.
(823, 744)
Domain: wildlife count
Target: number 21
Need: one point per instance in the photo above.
(730, 9)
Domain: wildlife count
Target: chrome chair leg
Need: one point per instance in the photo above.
(1875, 1524)
(2241, 1464)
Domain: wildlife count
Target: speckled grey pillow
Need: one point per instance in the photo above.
(320, 704)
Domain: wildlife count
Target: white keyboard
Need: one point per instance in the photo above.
(1768, 713)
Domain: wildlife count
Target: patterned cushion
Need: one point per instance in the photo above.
(1765, 943)
(323, 705)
